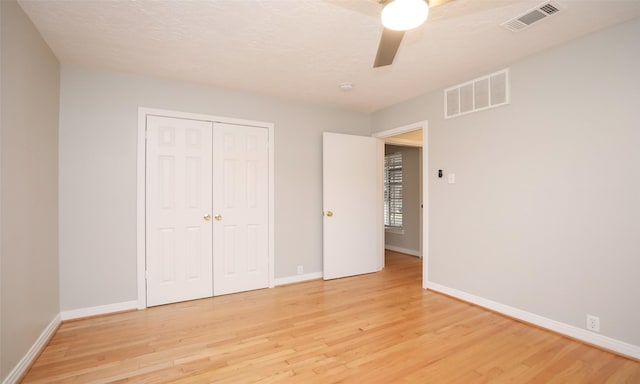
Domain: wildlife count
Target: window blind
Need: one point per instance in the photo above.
(393, 190)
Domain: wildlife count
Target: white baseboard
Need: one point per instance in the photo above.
(596, 339)
(298, 278)
(411, 252)
(23, 365)
(99, 310)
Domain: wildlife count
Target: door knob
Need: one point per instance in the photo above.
(218, 217)
(329, 213)
(207, 217)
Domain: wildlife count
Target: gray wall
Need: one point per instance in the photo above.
(98, 128)
(410, 238)
(544, 213)
(30, 79)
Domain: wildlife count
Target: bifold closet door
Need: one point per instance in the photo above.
(240, 208)
(178, 210)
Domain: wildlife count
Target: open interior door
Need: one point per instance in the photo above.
(352, 210)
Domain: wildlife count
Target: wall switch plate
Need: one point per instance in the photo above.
(593, 323)
(451, 178)
(300, 270)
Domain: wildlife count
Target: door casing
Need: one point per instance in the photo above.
(141, 187)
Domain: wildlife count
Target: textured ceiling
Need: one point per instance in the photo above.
(303, 49)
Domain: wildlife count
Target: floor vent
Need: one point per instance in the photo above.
(484, 92)
(543, 11)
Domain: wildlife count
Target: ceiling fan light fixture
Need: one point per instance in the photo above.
(403, 15)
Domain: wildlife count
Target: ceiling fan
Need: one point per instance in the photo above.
(397, 17)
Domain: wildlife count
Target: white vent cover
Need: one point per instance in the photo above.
(543, 11)
(485, 92)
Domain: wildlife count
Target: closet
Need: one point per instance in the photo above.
(206, 209)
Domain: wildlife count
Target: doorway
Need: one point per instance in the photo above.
(400, 135)
(403, 197)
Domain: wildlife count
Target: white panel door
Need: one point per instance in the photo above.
(351, 205)
(179, 198)
(240, 198)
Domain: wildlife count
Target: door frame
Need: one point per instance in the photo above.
(141, 187)
(424, 125)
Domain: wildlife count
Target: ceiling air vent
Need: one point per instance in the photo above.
(543, 11)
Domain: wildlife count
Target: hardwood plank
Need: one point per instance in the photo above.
(376, 328)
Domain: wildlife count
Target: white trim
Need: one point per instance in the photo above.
(403, 142)
(298, 278)
(141, 212)
(424, 125)
(380, 203)
(141, 168)
(23, 365)
(272, 207)
(407, 251)
(596, 339)
(403, 129)
(99, 310)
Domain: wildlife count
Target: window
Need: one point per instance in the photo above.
(393, 191)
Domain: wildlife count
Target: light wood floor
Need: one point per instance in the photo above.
(378, 328)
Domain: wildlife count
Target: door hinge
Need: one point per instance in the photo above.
(146, 274)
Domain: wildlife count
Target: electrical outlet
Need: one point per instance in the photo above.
(593, 323)
(300, 270)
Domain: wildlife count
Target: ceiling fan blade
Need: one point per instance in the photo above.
(389, 44)
(435, 3)
(432, 3)
(390, 40)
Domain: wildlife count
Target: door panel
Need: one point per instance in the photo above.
(241, 198)
(351, 195)
(178, 188)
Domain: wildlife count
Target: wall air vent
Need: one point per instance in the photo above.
(543, 11)
(478, 94)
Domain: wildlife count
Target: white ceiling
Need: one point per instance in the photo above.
(303, 49)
